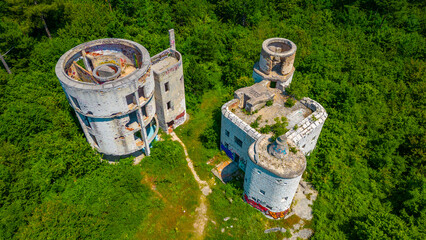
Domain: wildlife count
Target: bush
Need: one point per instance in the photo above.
(290, 102)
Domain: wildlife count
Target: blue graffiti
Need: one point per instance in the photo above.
(275, 147)
(227, 151)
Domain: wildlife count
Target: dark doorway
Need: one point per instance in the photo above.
(237, 158)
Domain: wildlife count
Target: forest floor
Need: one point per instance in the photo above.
(201, 211)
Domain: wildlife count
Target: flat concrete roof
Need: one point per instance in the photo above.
(291, 165)
(164, 63)
(294, 114)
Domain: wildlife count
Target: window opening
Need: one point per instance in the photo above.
(227, 133)
(94, 139)
(141, 92)
(169, 105)
(237, 158)
(262, 192)
(131, 101)
(144, 114)
(166, 87)
(238, 141)
(75, 101)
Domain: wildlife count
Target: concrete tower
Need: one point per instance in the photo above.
(276, 62)
(109, 84)
(272, 171)
(169, 87)
(272, 176)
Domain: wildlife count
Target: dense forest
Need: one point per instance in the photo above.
(363, 60)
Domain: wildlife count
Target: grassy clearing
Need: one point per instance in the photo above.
(207, 116)
(175, 195)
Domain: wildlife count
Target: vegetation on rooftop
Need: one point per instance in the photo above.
(364, 61)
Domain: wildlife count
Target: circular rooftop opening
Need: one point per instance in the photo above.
(103, 61)
(279, 47)
(107, 72)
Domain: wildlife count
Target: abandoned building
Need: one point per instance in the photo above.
(121, 95)
(268, 133)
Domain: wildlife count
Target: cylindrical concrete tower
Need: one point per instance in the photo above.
(272, 176)
(109, 84)
(276, 62)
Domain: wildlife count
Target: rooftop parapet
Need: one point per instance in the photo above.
(277, 158)
(114, 60)
(276, 60)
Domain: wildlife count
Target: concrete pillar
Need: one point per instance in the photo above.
(172, 39)
(140, 120)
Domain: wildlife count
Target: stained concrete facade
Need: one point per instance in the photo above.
(110, 84)
(276, 62)
(169, 89)
(271, 179)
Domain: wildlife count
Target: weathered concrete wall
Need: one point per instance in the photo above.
(175, 114)
(272, 192)
(279, 51)
(104, 110)
(309, 129)
(237, 129)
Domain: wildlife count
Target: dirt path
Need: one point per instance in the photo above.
(201, 217)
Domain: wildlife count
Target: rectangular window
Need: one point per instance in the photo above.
(169, 105)
(227, 133)
(131, 101)
(144, 111)
(269, 207)
(166, 87)
(238, 141)
(226, 145)
(141, 92)
(94, 140)
(259, 172)
(262, 192)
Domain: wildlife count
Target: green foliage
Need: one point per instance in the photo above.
(278, 128)
(293, 149)
(165, 156)
(290, 102)
(255, 124)
(362, 60)
(269, 102)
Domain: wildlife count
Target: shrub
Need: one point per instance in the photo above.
(290, 102)
(269, 103)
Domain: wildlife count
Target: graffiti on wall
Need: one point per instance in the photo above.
(228, 152)
(179, 119)
(172, 69)
(258, 206)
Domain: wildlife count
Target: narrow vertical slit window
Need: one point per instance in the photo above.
(166, 87)
(94, 140)
(75, 101)
(144, 114)
(169, 105)
(141, 92)
(238, 141)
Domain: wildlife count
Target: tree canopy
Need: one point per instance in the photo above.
(363, 60)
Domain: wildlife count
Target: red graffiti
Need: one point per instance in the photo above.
(275, 215)
(255, 204)
(180, 115)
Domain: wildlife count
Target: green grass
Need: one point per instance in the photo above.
(191, 131)
(175, 194)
